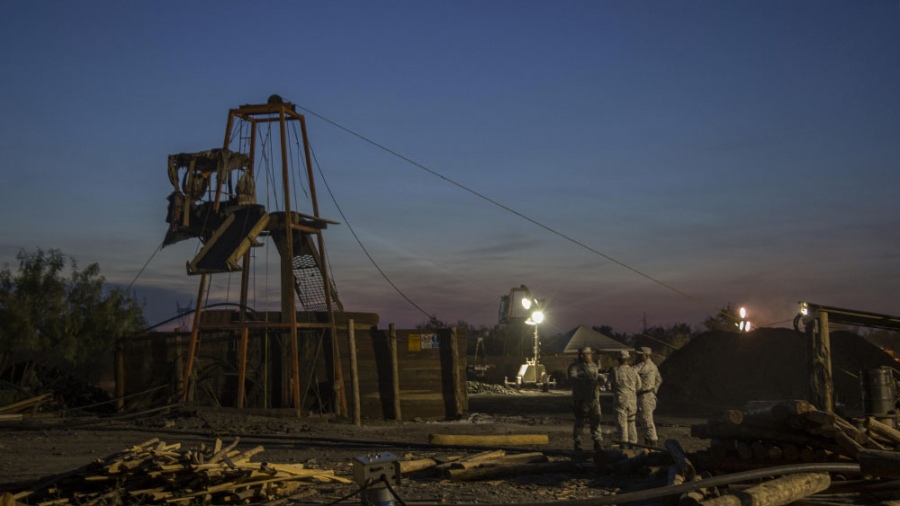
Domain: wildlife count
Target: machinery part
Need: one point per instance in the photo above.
(878, 391)
(375, 473)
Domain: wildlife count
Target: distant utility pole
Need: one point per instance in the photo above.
(644, 321)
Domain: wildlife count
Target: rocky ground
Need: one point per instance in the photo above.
(41, 448)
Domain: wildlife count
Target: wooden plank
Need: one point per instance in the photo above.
(879, 463)
(509, 461)
(490, 473)
(472, 460)
(884, 430)
(784, 490)
(395, 373)
(18, 406)
(412, 466)
(354, 372)
(492, 440)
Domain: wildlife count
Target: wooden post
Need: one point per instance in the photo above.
(120, 374)
(242, 365)
(488, 440)
(179, 362)
(395, 372)
(496, 472)
(340, 395)
(825, 355)
(411, 466)
(354, 373)
(454, 374)
(784, 490)
(884, 430)
(880, 463)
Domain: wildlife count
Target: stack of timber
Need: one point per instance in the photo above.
(769, 433)
(496, 464)
(25, 408)
(154, 472)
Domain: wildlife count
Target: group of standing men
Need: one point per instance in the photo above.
(634, 391)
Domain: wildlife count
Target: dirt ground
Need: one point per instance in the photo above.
(40, 449)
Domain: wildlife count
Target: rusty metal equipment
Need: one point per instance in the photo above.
(376, 474)
(214, 199)
(880, 394)
(815, 319)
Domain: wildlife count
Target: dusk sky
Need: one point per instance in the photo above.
(708, 152)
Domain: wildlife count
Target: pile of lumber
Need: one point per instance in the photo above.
(776, 432)
(491, 465)
(20, 410)
(154, 472)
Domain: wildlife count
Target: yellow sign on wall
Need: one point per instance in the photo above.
(419, 342)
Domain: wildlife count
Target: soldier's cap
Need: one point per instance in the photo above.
(643, 350)
(624, 354)
(585, 349)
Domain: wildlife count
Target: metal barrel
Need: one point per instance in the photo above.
(878, 391)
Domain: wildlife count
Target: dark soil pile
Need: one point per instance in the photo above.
(724, 370)
(29, 379)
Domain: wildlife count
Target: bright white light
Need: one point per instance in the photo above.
(804, 309)
(537, 317)
(526, 302)
(747, 327)
(743, 312)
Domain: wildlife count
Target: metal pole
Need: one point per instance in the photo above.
(195, 335)
(289, 299)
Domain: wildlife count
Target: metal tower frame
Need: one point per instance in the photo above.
(282, 113)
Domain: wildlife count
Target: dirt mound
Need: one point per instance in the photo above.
(722, 370)
(29, 379)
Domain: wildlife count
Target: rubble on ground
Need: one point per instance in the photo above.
(154, 472)
(477, 387)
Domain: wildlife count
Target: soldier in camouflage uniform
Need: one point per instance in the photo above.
(646, 395)
(625, 383)
(583, 376)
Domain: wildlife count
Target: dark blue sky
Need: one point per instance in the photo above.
(742, 152)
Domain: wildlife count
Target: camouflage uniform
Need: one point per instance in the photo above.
(585, 401)
(625, 382)
(646, 399)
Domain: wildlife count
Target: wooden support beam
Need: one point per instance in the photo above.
(472, 460)
(884, 430)
(879, 463)
(354, 373)
(395, 372)
(491, 473)
(784, 490)
(412, 466)
(491, 440)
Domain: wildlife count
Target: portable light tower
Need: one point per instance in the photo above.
(529, 310)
